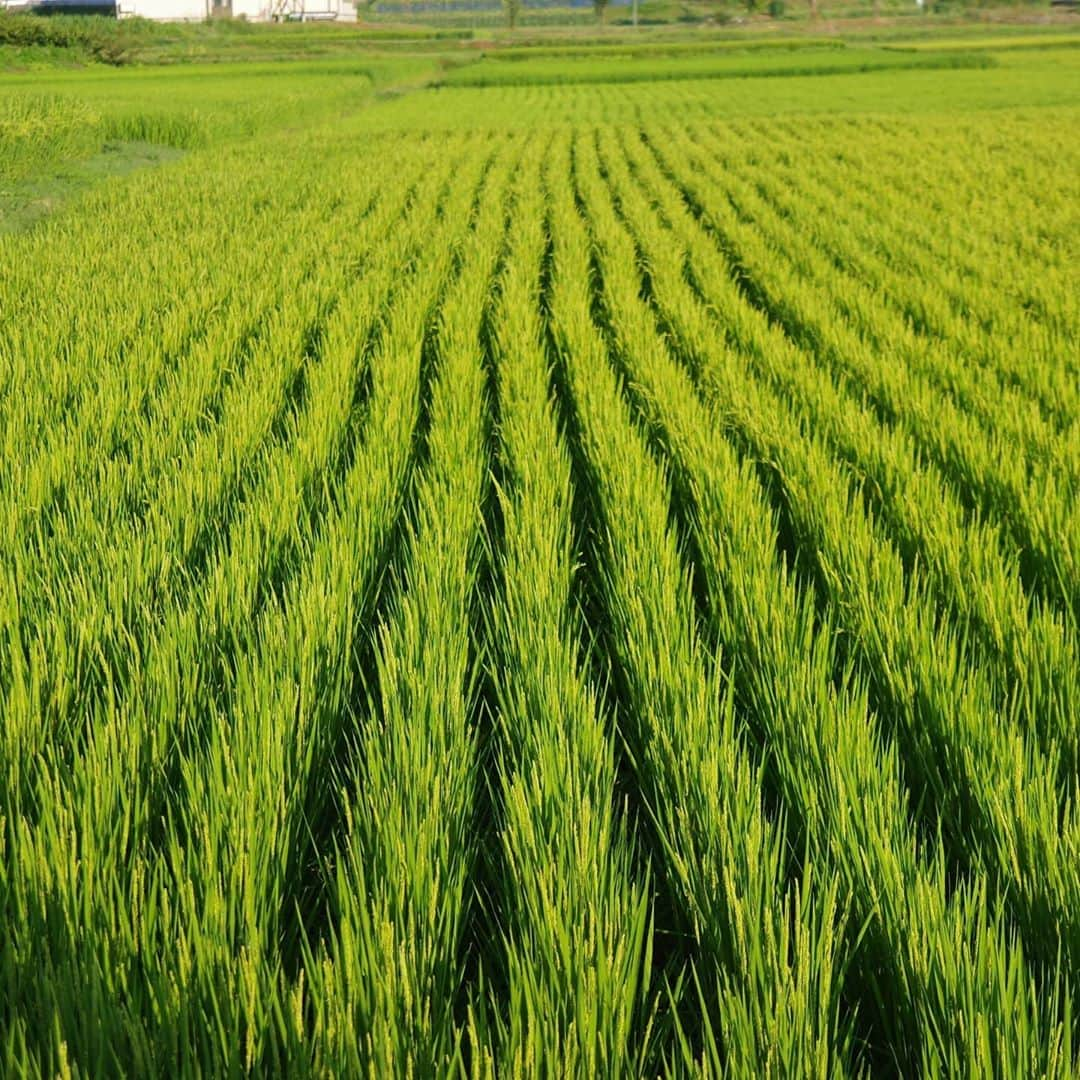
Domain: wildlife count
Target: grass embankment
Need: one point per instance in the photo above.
(827, 60)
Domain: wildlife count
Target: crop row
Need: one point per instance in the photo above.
(553, 602)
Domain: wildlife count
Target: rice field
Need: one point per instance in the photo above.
(578, 578)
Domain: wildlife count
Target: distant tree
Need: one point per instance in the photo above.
(600, 7)
(512, 8)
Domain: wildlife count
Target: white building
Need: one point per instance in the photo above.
(255, 10)
(194, 10)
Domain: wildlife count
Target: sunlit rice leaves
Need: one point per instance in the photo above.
(555, 582)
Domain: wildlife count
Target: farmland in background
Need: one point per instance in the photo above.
(542, 558)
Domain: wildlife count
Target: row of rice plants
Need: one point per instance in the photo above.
(994, 793)
(979, 381)
(1009, 307)
(390, 997)
(494, 71)
(227, 400)
(950, 981)
(1004, 235)
(763, 948)
(969, 377)
(259, 801)
(1030, 648)
(569, 993)
(949, 673)
(112, 562)
(209, 676)
(55, 349)
(984, 468)
(874, 316)
(506, 614)
(92, 360)
(1008, 194)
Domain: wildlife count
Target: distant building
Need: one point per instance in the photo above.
(66, 7)
(195, 10)
(255, 10)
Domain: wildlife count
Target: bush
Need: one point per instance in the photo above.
(96, 37)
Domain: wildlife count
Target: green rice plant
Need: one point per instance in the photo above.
(763, 950)
(969, 376)
(560, 579)
(994, 793)
(960, 975)
(638, 49)
(576, 927)
(494, 71)
(170, 535)
(1027, 645)
(982, 467)
(393, 979)
(210, 819)
(78, 355)
(887, 245)
(1045, 38)
(143, 415)
(40, 130)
